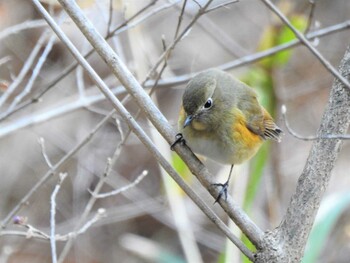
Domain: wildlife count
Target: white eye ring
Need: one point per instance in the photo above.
(208, 104)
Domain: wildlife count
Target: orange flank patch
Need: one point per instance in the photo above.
(243, 136)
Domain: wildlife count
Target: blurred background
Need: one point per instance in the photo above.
(48, 122)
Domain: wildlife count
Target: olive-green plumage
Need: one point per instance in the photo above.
(222, 119)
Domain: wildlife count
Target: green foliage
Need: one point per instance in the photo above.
(179, 165)
(276, 35)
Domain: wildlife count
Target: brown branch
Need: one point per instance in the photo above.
(287, 242)
(151, 111)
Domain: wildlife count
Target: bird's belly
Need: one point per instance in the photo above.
(221, 151)
(211, 149)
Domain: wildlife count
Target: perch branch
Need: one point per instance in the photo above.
(136, 91)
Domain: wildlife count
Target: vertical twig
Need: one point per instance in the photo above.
(311, 16)
(52, 217)
(110, 17)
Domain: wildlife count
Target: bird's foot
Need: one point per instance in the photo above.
(222, 192)
(178, 139)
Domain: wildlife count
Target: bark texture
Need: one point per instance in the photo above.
(287, 242)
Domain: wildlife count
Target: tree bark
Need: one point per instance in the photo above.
(287, 242)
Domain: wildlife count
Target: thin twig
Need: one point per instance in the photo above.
(110, 17)
(52, 217)
(221, 5)
(26, 67)
(47, 114)
(37, 118)
(165, 54)
(119, 29)
(101, 212)
(54, 169)
(157, 118)
(41, 142)
(180, 19)
(122, 189)
(34, 75)
(22, 26)
(126, 25)
(34, 232)
(310, 138)
(89, 204)
(197, 3)
(166, 82)
(304, 40)
(311, 16)
(5, 60)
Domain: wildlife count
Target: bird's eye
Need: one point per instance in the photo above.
(208, 104)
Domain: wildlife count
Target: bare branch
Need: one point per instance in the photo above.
(304, 40)
(180, 19)
(52, 217)
(149, 83)
(26, 67)
(22, 26)
(122, 189)
(287, 242)
(142, 98)
(33, 232)
(309, 138)
(5, 60)
(101, 212)
(34, 75)
(126, 25)
(41, 142)
(52, 171)
(221, 6)
(110, 17)
(311, 16)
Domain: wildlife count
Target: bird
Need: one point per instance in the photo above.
(222, 119)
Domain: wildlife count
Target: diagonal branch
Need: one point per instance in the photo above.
(157, 118)
(143, 99)
(304, 40)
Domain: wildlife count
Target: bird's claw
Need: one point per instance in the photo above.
(178, 139)
(223, 191)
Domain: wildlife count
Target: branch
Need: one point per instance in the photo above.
(119, 29)
(289, 239)
(77, 104)
(310, 138)
(52, 217)
(122, 189)
(53, 170)
(26, 67)
(151, 111)
(22, 26)
(304, 40)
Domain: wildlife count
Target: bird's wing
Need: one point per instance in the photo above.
(258, 120)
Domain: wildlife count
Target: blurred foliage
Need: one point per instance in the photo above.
(330, 211)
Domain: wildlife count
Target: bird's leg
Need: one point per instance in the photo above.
(178, 138)
(224, 186)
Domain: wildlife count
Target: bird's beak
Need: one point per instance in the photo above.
(188, 120)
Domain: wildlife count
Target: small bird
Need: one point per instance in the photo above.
(221, 118)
